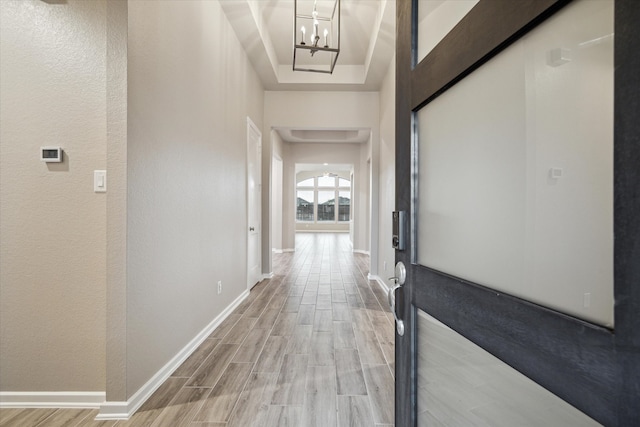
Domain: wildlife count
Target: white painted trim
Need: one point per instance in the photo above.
(124, 410)
(276, 251)
(51, 399)
(268, 275)
(380, 282)
(360, 251)
(288, 250)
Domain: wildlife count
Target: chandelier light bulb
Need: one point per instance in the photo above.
(303, 31)
(326, 34)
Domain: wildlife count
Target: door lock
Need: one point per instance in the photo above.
(398, 281)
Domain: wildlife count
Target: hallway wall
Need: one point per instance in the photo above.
(53, 226)
(191, 88)
(387, 178)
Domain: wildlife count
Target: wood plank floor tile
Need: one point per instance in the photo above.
(64, 418)
(194, 361)
(182, 408)
(161, 398)
(212, 368)
(323, 321)
(354, 300)
(258, 306)
(323, 302)
(30, 417)
(272, 354)
(354, 411)
(226, 325)
(386, 334)
(300, 342)
(361, 320)
(284, 416)
(90, 421)
(290, 386)
(267, 319)
(218, 406)
(253, 405)
(285, 324)
(338, 295)
(380, 389)
(306, 314)
(321, 352)
(251, 347)
(350, 378)
(291, 304)
(343, 336)
(239, 331)
(309, 297)
(369, 348)
(341, 311)
(320, 408)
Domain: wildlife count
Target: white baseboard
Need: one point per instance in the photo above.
(288, 250)
(52, 399)
(276, 251)
(267, 276)
(360, 251)
(124, 410)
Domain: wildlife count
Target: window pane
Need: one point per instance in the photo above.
(344, 182)
(326, 181)
(526, 207)
(304, 209)
(306, 183)
(326, 205)
(344, 205)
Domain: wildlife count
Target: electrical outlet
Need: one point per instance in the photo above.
(219, 287)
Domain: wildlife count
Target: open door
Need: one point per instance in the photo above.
(520, 190)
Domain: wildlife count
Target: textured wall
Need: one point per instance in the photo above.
(52, 224)
(190, 90)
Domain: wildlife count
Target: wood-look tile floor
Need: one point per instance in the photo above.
(313, 346)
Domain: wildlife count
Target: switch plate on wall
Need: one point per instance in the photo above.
(100, 181)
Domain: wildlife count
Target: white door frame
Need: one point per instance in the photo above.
(254, 219)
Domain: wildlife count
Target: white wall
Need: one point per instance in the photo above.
(191, 88)
(387, 174)
(320, 110)
(277, 172)
(52, 257)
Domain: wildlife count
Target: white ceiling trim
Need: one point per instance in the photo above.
(252, 30)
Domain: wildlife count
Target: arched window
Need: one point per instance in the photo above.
(322, 199)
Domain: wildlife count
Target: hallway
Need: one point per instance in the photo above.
(313, 346)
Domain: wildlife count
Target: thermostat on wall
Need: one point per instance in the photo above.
(51, 154)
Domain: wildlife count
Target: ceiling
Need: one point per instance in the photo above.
(367, 43)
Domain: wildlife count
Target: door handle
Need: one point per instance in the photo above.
(392, 304)
(398, 280)
(251, 229)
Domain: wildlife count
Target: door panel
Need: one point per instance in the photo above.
(457, 262)
(520, 155)
(254, 217)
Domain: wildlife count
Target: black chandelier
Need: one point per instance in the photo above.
(319, 51)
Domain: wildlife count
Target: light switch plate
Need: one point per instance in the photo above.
(100, 181)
